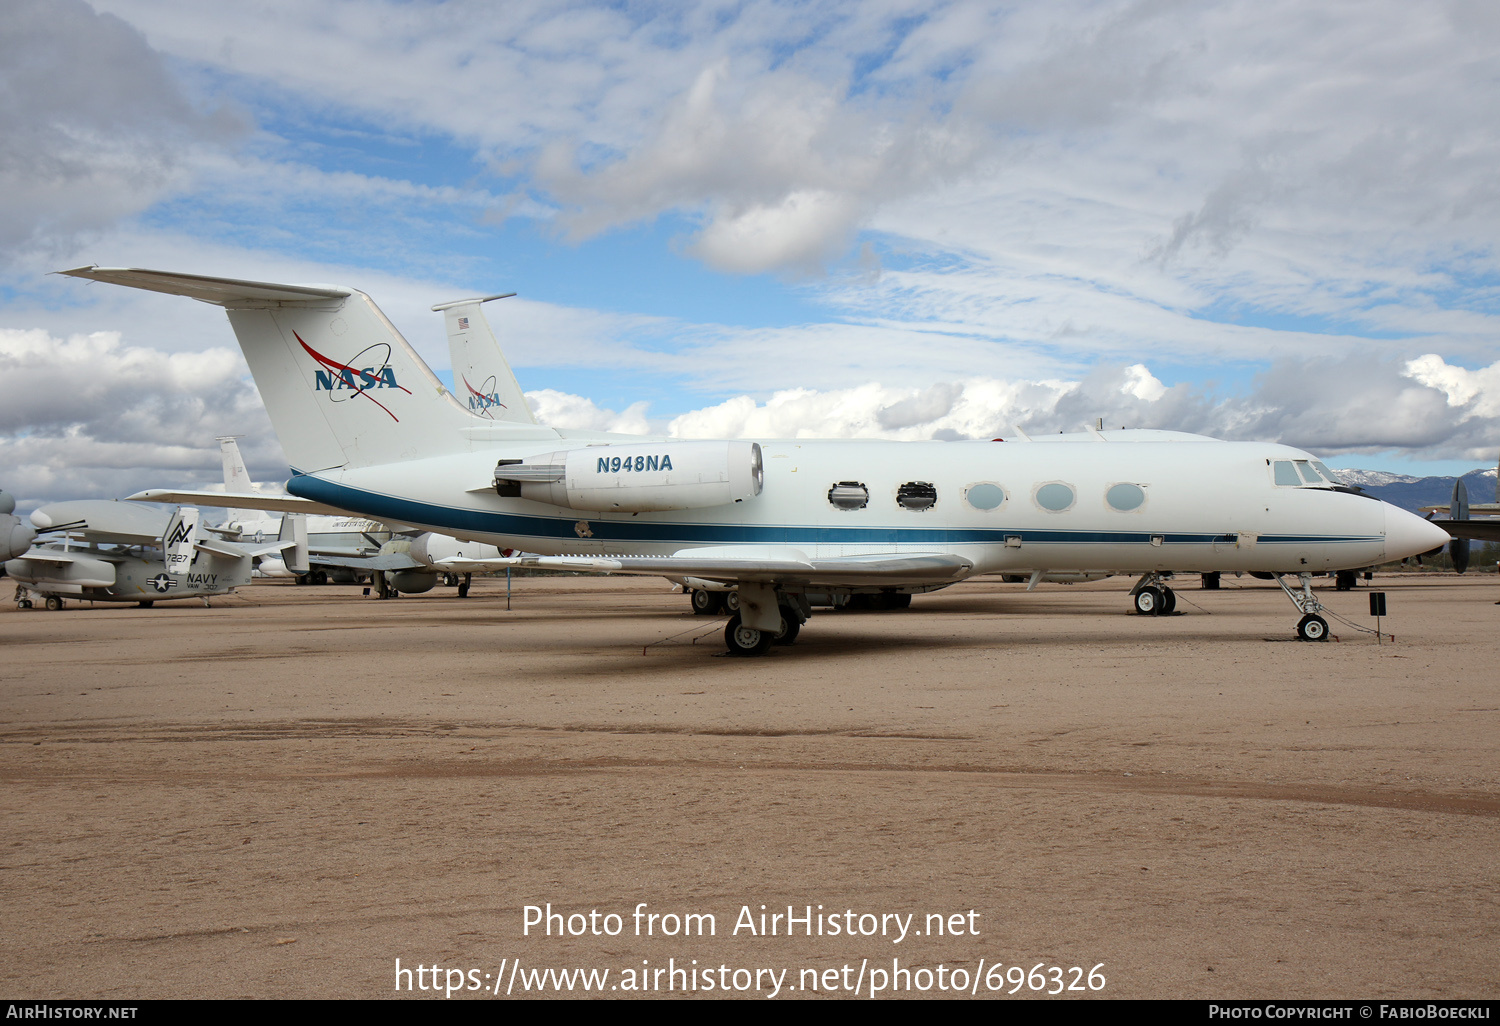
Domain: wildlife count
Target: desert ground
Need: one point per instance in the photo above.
(284, 794)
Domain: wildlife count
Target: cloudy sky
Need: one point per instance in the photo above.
(1269, 220)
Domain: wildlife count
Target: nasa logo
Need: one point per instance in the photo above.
(345, 381)
(484, 398)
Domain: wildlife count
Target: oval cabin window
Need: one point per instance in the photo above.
(1125, 497)
(985, 496)
(849, 495)
(916, 496)
(1055, 497)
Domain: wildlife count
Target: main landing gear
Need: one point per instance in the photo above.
(763, 617)
(1311, 627)
(714, 603)
(1152, 597)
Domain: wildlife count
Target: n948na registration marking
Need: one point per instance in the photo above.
(632, 465)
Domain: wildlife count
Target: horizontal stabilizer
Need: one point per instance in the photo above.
(219, 291)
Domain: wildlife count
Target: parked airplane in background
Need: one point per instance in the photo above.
(121, 552)
(411, 562)
(1463, 529)
(15, 536)
(330, 538)
(368, 427)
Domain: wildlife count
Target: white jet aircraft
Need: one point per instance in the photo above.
(121, 552)
(368, 427)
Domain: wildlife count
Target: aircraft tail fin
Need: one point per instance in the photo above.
(341, 385)
(236, 477)
(294, 529)
(180, 541)
(482, 379)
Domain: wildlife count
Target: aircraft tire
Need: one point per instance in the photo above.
(791, 626)
(1312, 627)
(1149, 601)
(146, 603)
(54, 603)
(746, 641)
(706, 603)
(732, 602)
(1169, 602)
(895, 600)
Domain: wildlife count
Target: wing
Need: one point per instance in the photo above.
(56, 557)
(786, 566)
(382, 561)
(1478, 530)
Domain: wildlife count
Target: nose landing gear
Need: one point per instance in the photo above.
(1311, 627)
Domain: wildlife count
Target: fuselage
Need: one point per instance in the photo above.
(112, 574)
(1009, 507)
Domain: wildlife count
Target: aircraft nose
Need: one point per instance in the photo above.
(1407, 534)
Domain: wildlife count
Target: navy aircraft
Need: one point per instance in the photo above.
(106, 551)
(368, 427)
(1461, 527)
(15, 536)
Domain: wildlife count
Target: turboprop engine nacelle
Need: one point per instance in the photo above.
(638, 478)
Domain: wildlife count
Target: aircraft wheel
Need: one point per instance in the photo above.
(894, 600)
(732, 601)
(320, 577)
(24, 604)
(706, 603)
(146, 603)
(746, 641)
(1169, 602)
(1149, 601)
(790, 627)
(54, 603)
(1312, 628)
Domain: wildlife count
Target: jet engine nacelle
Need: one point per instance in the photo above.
(436, 548)
(639, 477)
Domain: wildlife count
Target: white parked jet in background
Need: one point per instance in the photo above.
(368, 427)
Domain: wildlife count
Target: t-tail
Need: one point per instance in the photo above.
(482, 379)
(341, 385)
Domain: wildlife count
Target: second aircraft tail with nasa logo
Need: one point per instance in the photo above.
(342, 386)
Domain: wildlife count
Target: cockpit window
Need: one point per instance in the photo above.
(1308, 473)
(1326, 472)
(1286, 474)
